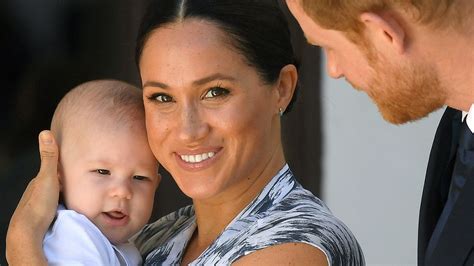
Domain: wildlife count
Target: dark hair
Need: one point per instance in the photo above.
(257, 29)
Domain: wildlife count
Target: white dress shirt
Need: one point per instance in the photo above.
(470, 118)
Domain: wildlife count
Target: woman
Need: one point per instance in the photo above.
(216, 76)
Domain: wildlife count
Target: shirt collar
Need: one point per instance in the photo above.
(470, 118)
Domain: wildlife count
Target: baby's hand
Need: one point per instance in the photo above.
(36, 209)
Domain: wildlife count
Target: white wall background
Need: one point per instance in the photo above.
(373, 172)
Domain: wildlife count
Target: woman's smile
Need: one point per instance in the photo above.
(197, 160)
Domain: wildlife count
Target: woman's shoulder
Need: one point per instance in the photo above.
(285, 214)
(299, 206)
(303, 218)
(163, 229)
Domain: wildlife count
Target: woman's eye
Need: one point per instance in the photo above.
(216, 92)
(103, 172)
(160, 97)
(140, 177)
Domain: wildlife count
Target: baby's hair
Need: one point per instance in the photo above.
(108, 102)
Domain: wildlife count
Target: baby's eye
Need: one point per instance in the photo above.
(216, 92)
(103, 171)
(140, 177)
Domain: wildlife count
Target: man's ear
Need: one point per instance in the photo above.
(385, 30)
(286, 86)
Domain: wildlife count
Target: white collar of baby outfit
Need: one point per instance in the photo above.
(470, 118)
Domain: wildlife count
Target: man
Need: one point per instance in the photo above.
(411, 58)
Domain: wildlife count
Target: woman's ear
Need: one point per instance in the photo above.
(286, 86)
(385, 31)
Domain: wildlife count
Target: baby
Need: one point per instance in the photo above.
(107, 172)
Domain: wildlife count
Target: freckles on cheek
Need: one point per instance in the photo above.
(158, 138)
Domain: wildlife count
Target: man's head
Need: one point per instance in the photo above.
(370, 43)
(107, 170)
(344, 16)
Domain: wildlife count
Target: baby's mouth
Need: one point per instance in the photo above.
(116, 215)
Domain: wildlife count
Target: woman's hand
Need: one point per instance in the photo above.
(36, 209)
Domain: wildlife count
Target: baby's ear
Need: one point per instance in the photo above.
(61, 186)
(60, 176)
(158, 179)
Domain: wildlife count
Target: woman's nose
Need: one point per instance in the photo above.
(332, 66)
(193, 126)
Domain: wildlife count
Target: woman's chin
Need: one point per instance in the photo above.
(199, 191)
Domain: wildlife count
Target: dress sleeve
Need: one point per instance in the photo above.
(324, 233)
(74, 240)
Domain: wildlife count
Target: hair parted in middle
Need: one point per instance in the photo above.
(257, 29)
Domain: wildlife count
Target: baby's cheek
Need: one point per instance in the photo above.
(145, 204)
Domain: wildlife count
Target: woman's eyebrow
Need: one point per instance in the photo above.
(216, 76)
(155, 84)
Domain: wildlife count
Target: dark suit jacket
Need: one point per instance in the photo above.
(455, 245)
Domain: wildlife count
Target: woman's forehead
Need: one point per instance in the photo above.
(188, 33)
(192, 49)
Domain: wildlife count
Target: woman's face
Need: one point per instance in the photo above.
(211, 120)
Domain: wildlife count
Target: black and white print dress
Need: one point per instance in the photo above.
(284, 212)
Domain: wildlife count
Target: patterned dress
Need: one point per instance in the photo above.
(284, 212)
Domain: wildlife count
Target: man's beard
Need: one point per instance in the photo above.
(404, 94)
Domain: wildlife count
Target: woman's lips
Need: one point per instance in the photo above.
(197, 160)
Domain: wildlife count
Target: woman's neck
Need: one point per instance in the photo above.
(213, 216)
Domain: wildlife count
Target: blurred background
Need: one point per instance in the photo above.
(368, 172)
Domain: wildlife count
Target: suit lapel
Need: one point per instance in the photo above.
(456, 242)
(455, 234)
(436, 185)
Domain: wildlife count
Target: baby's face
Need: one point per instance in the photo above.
(111, 177)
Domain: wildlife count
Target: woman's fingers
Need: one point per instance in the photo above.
(37, 206)
(43, 190)
(49, 155)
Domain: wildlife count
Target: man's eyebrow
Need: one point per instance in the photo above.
(216, 76)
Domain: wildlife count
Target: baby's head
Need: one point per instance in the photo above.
(107, 170)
